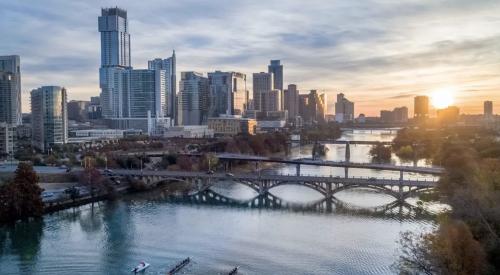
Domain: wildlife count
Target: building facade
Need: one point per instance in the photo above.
(271, 101)
(169, 66)
(488, 109)
(49, 117)
(398, 115)
(421, 107)
(344, 109)
(291, 101)
(193, 99)
(262, 83)
(228, 93)
(276, 69)
(78, 110)
(115, 58)
(147, 93)
(232, 125)
(10, 90)
(7, 140)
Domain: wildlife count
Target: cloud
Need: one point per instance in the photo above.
(370, 50)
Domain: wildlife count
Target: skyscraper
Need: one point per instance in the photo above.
(10, 90)
(169, 66)
(271, 101)
(317, 106)
(277, 70)
(344, 109)
(488, 109)
(227, 94)
(421, 107)
(115, 39)
(49, 117)
(262, 83)
(291, 101)
(192, 99)
(115, 58)
(147, 93)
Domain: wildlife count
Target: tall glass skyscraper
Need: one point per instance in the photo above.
(49, 117)
(277, 70)
(228, 93)
(10, 90)
(193, 97)
(115, 58)
(169, 66)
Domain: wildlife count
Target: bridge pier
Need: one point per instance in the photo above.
(297, 169)
(400, 189)
(347, 152)
(346, 172)
(329, 190)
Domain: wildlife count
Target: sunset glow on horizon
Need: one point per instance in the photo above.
(379, 54)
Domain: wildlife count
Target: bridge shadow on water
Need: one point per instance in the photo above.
(394, 210)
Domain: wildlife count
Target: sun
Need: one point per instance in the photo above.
(442, 98)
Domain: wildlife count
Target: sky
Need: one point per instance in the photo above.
(380, 54)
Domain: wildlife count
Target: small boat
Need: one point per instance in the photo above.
(234, 271)
(141, 267)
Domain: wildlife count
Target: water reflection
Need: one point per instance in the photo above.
(392, 210)
(23, 240)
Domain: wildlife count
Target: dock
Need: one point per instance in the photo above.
(179, 266)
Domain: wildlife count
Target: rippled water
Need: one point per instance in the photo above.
(111, 237)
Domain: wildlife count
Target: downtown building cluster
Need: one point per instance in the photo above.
(147, 99)
(153, 101)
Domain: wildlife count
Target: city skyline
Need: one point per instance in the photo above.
(402, 45)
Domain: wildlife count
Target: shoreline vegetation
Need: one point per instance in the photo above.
(25, 182)
(466, 240)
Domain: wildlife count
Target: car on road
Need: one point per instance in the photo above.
(108, 171)
(229, 174)
(47, 194)
(210, 172)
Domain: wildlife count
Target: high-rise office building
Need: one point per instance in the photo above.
(291, 101)
(398, 115)
(277, 70)
(115, 39)
(227, 93)
(192, 99)
(344, 109)
(317, 106)
(271, 101)
(10, 90)
(488, 109)
(448, 115)
(115, 59)
(147, 93)
(304, 107)
(49, 117)
(78, 110)
(169, 66)
(421, 107)
(262, 83)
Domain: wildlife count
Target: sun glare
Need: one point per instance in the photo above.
(442, 98)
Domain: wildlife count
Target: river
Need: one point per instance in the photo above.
(353, 237)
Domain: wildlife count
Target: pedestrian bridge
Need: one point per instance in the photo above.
(328, 186)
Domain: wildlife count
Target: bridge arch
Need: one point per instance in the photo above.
(381, 189)
(314, 186)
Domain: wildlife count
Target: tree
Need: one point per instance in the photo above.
(380, 153)
(21, 197)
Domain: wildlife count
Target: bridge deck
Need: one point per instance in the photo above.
(284, 178)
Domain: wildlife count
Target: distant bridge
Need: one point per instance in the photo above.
(329, 163)
(262, 184)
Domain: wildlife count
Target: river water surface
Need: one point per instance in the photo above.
(354, 237)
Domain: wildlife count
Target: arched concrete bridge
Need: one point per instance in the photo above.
(262, 184)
